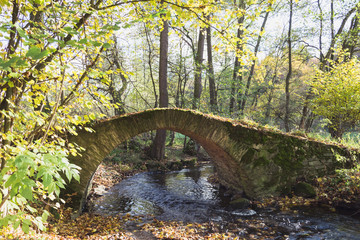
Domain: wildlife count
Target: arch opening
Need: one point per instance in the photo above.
(132, 157)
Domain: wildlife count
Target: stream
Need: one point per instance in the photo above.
(188, 196)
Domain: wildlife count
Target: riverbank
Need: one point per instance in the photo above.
(113, 170)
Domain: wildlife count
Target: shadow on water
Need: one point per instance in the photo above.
(188, 196)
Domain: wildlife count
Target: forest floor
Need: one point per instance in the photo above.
(112, 171)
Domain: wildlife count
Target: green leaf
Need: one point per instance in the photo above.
(22, 162)
(21, 32)
(51, 187)
(50, 158)
(47, 179)
(57, 191)
(60, 184)
(12, 179)
(14, 74)
(26, 192)
(70, 30)
(83, 41)
(107, 45)
(35, 53)
(12, 62)
(25, 226)
(68, 175)
(76, 176)
(28, 182)
(72, 43)
(96, 43)
(44, 216)
(16, 224)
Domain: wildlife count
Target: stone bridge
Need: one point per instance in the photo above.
(257, 161)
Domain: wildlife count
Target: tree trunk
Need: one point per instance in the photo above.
(7, 122)
(198, 70)
(243, 103)
(288, 76)
(336, 129)
(305, 112)
(350, 43)
(237, 77)
(148, 40)
(158, 148)
(212, 88)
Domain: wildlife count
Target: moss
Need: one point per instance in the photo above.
(146, 115)
(190, 163)
(240, 203)
(174, 165)
(303, 189)
(155, 165)
(287, 158)
(248, 156)
(261, 161)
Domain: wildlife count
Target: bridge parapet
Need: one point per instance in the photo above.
(259, 162)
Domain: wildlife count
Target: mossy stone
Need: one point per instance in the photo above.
(303, 189)
(155, 166)
(240, 203)
(190, 162)
(174, 165)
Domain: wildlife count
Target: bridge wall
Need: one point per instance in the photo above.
(257, 161)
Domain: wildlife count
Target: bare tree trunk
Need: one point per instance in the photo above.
(332, 19)
(150, 66)
(288, 76)
(350, 43)
(305, 111)
(233, 86)
(321, 30)
(158, 148)
(212, 88)
(253, 64)
(198, 70)
(237, 77)
(11, 90)
(179, 83)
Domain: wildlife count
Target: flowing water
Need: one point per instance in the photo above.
(188, 196)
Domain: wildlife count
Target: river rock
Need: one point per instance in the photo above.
(303, 189)
(100, 190)
(240, 203)
(244, 212)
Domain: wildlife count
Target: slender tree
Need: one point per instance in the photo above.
(288, 76)
(198, 69)
(149, 61)
(252, 68)
(237, 75)
(158, 148)
(212, 87)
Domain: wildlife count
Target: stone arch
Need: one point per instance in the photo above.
(257, 161)
(109, 133)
